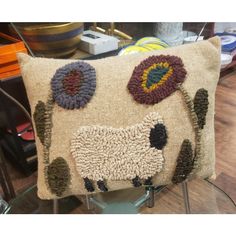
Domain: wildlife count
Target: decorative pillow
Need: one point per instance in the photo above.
(123, 122)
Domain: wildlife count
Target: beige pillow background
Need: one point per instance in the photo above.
(112, 105)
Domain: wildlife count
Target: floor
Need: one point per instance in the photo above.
(225, 130)
(225, 127)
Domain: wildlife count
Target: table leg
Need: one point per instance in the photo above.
(5, 179)
(186, 197)
(151, 200)
(55, 206)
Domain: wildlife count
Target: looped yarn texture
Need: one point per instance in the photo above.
(185, 162)
(39, 120)
(102, 152)
(201, 106)
(58, 176)
(73, 85)
(155, 78)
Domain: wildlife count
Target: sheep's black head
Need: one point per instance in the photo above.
(158, 136)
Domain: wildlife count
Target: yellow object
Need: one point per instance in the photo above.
(145, 44)
(132, 50)
(153, 47)
(151, 40)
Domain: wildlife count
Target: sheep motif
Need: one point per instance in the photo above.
(132, 153)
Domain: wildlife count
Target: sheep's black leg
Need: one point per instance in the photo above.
(148, 181)
(102, 186)
(88, 185)
(136, 182)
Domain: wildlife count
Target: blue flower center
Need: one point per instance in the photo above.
(155, 75)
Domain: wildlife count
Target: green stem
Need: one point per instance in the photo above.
(48, 129)
(198, 132)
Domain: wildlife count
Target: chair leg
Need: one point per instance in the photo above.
(186, 197)
(3, 184)
(5, 179)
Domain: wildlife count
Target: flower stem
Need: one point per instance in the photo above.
(48, 129)
(198, 132)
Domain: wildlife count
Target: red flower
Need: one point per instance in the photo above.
(155, 78)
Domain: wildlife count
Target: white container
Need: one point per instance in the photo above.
(226, 59)
(97, 43)
(170, 32)
(192, 39)
(230, 30)
(188, 33)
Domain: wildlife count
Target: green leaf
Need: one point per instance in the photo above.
(201, 106)
(185, 162)
(39, 120)
(58, 176)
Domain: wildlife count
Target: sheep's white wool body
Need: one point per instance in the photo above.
(102, 152)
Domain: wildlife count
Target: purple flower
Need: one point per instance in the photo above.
(73, 85)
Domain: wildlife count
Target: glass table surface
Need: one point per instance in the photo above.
(203, 197)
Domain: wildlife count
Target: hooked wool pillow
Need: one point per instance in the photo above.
(123, 121)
